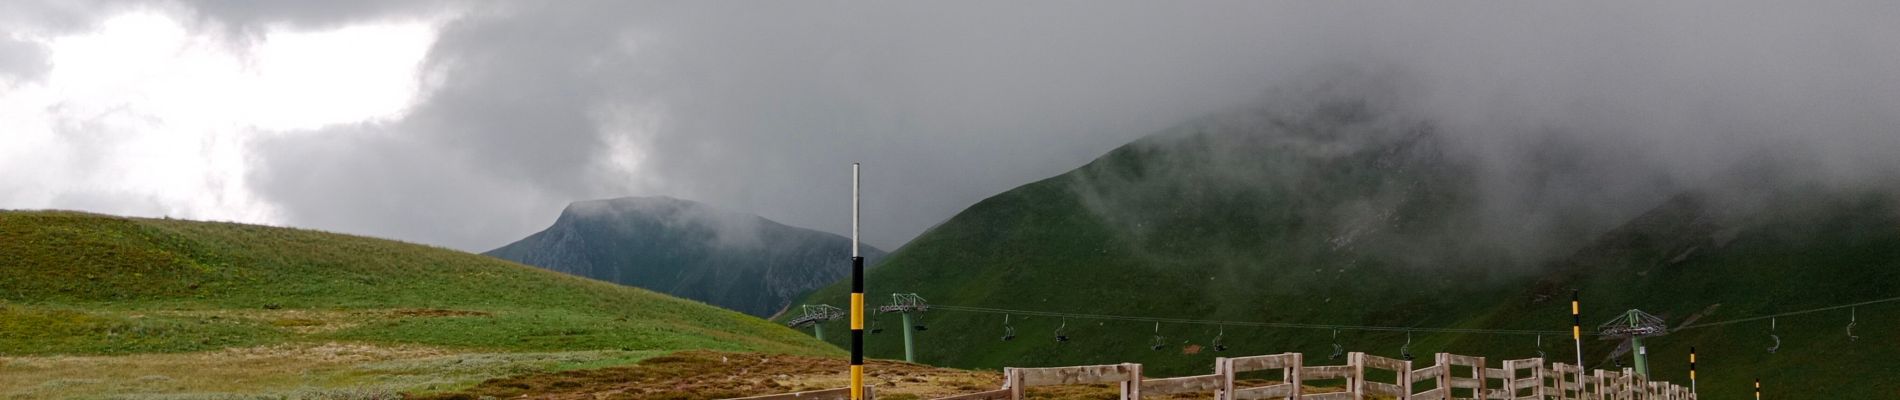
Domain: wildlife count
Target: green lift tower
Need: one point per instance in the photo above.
(907, 303)
(1633, 326)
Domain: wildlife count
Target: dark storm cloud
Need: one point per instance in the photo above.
(762, 106)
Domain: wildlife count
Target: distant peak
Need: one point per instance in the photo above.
(636, 200)
(641, 204)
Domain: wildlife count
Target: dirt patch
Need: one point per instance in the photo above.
(715, 375)
(436, 312)
(298, 321)
(707, 375)
(333, 352)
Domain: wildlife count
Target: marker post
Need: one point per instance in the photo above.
(857, 297)
(1576, 329)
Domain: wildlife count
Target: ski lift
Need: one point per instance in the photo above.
(1540, 346)
(1218, 345)
(1009, 332)
(1158, 341)
(1406, 350)
(1062, 337)
(1337, 349)
(877, 325)
(1851, 320)
(1771, 335)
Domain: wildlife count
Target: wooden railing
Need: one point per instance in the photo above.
(1450, 377)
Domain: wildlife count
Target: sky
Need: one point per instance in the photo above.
(471, 124)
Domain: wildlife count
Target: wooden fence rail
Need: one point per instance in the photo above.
(1450, 377)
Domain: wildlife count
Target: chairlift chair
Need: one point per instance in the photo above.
(1772, 335)
(1158, 341)
(1851, 320)
(1009, 332)
(1540, 346)
(1406, 350)
(1337, 349)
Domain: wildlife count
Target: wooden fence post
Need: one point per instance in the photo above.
(1356, 384)
(1510, 374)
(1541, 374)
(1606, 382)
(1556, 384)
(1630, 390)
(1013, 378)
(1405, 381)
(1444, 376)
(1131, 388)
(1226, 379)
(1479, 372)
(1292, 375)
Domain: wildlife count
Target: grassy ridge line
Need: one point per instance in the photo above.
(76, 283)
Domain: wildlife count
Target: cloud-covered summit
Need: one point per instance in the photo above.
(524, 107)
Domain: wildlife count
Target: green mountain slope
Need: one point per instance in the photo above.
(738, 261)
(1718, 258)
(1333, 214)
(74, 283)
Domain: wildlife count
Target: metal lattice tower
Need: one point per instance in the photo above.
(1634, 326)
(814, 316)
(907, 304)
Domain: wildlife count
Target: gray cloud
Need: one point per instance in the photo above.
(21, 60)
(761, 106)
(253, 15)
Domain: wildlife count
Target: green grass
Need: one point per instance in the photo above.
(70, 281)
(287, 372)
(1198, 223)
(76, 284)
(69, 330)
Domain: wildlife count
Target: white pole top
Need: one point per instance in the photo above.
(854, 209)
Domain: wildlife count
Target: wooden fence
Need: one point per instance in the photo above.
(1450, 377)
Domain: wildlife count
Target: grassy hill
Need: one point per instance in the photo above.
(738, 261)
(1725, 259)
(82, 285)
(1337, 215)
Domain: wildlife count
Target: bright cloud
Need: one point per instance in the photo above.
(150, 115)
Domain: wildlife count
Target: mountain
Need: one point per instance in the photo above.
(1717, 258)
(738, 261)
(1334, 212)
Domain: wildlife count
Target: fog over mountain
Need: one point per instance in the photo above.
(523, 107)
(728, 259)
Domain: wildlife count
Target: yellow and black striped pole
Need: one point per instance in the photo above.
(1757, 388)
(857, 297)
(1692, 370)
(1576, 329)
